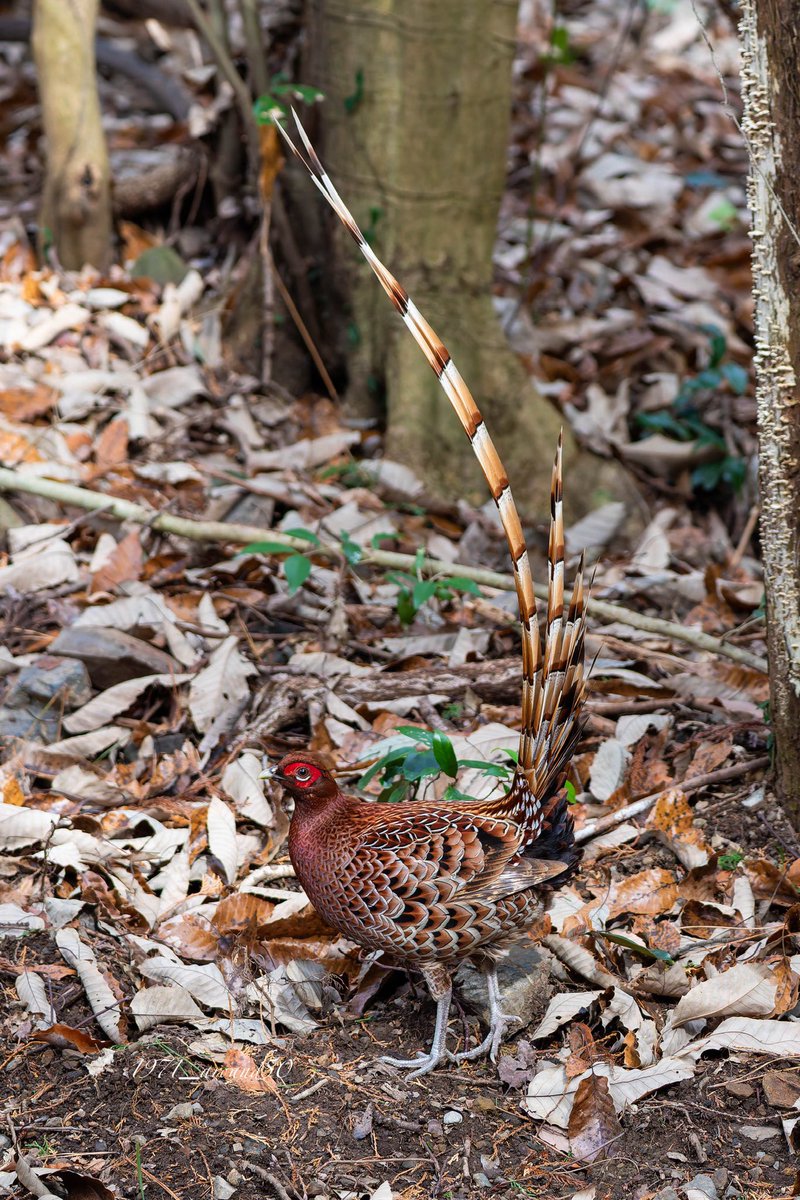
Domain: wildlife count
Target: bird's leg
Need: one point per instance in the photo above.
(499, 1022)
(441, 989)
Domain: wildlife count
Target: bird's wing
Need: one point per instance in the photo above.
(427, 855)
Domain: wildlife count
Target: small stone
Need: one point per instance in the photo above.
(667, 1193)
(525, 985)
(451, 1117)
(759, 1133)
(705, 1185)
(35, 724)
(781, 1088)
(434, 1127)
(222, 1189)
(63, 681)
(183, 1112)
(742, 1090)
(112, 656)
(480, 1180)
(234, 1178)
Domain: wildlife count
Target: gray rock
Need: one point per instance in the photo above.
(704, 1184)
(525, 985)
(667, 1193)
(35, 724)
(183, 1112)
(112, 656)
(62, 683)
(252, 510)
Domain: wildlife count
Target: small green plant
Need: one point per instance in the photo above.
(348, 474)
(725, 215)
(415, 592)
(42, 1147)
(729, 862)
(352, 101)
(351, 550)
(297, 567)
(429, 754)
(370, 229)
(189, 1067)
(277, 102)
(561, 52)
(453, 711)
(685, 423)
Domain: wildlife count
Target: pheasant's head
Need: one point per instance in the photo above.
(305, 776)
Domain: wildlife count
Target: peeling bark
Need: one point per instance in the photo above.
(770, 32)
(76, 202)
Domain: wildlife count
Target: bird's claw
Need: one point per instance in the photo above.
(491, 1043)
(422, 1064)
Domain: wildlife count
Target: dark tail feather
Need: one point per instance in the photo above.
(556, 842)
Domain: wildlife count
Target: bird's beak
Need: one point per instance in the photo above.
(271, 772)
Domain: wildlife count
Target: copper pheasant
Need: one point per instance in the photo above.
(431, 885)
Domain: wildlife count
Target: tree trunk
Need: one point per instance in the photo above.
(76, 202)
(416, 121)
(770, 31)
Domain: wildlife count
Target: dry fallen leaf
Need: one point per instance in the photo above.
(672, 818)
(241, 1071)
(123, 563)
(747, 990)
(64, 1036)
(648, 893)
(593, 1122)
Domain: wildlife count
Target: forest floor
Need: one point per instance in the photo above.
(176, 1019)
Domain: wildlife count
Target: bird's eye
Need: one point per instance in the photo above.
(302, 773)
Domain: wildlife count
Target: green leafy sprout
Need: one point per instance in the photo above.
(428, 754)
(729, 862)
(277, 102)
(415, 592)
(296, 567)
(685, 423)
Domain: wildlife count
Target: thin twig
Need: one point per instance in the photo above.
(744, 540)
(271, 1180)
(221, 531)
(602, 824)
(303, 330)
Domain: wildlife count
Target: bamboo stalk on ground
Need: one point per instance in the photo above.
(222, 531)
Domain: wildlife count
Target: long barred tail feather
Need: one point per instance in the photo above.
(553, 683)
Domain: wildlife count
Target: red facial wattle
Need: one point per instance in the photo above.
(302, 774)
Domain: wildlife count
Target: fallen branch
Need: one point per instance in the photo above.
(603, 824)
(221, 531)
